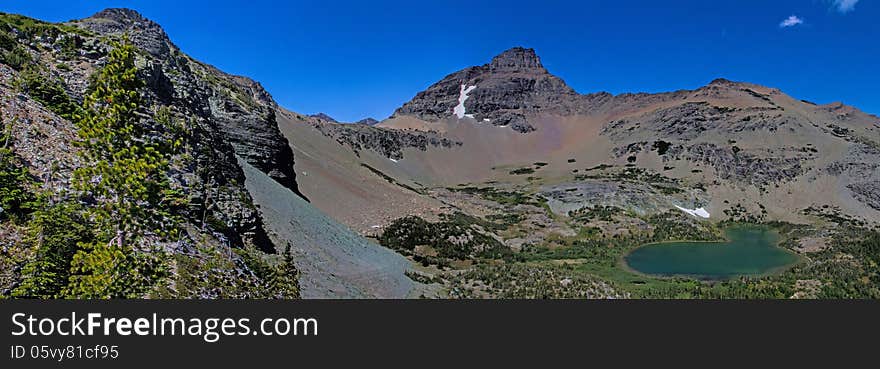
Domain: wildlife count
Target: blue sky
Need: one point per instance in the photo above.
(357, 59)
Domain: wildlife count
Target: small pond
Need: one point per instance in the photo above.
(749, 250)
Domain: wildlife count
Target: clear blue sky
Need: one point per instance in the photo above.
(366, 58)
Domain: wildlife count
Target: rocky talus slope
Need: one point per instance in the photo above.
(335, 262)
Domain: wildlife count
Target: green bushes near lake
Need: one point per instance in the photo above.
(456, 236)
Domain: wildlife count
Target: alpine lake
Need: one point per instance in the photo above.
(749, 250)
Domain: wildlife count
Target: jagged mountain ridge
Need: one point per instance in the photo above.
(324, 117)
(239, 107)
(734, 137)
(514, 87)
(227, 119)
(57, 62)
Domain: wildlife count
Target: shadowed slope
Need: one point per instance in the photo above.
(334, 261)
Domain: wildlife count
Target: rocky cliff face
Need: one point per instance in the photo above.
(237, 108)
(389, 143)
(225, 117)
(504, 92)
(148, 35)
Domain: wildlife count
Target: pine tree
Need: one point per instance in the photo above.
(284, 280)
(125, 172)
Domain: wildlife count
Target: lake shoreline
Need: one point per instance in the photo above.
(726, 241)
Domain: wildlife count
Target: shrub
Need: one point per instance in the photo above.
(661, 147)
(48, 92)
(7, 41)
(56, 232)
(15, 199)
(17, 58)
(522, 171)
(455, 237)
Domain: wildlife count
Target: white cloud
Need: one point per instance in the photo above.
(791, 21)
(845, 6)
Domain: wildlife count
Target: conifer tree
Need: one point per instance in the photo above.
(55, 231)
(125, 172)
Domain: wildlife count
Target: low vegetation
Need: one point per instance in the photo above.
(15, 196)
(49, 92)
(455, 237)
(629, 174)
(15, 28)
(212, 275)
(521, 171)
(527, 281)
(389, 179)
(503, 197)
(588, 214)
(590, 265)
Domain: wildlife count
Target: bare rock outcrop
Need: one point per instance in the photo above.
(507, 90)
(236, 108)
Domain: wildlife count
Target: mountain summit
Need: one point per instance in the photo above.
(143, 32)
(502, 93)
(324, 117)
(237, 109)
(516, 59)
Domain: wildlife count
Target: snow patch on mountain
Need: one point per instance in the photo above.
(699, 212)
(459, 109)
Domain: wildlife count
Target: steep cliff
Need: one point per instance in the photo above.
(237, 108)
(46, 71)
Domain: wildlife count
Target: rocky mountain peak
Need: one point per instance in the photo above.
(504, 93)
(722, 82)
(121, 15)
(516, 59)
(236, 109)
(726, 84)
(324, 117)
(368, 121)
(144, 33)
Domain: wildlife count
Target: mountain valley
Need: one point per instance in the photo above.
(498, 181)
